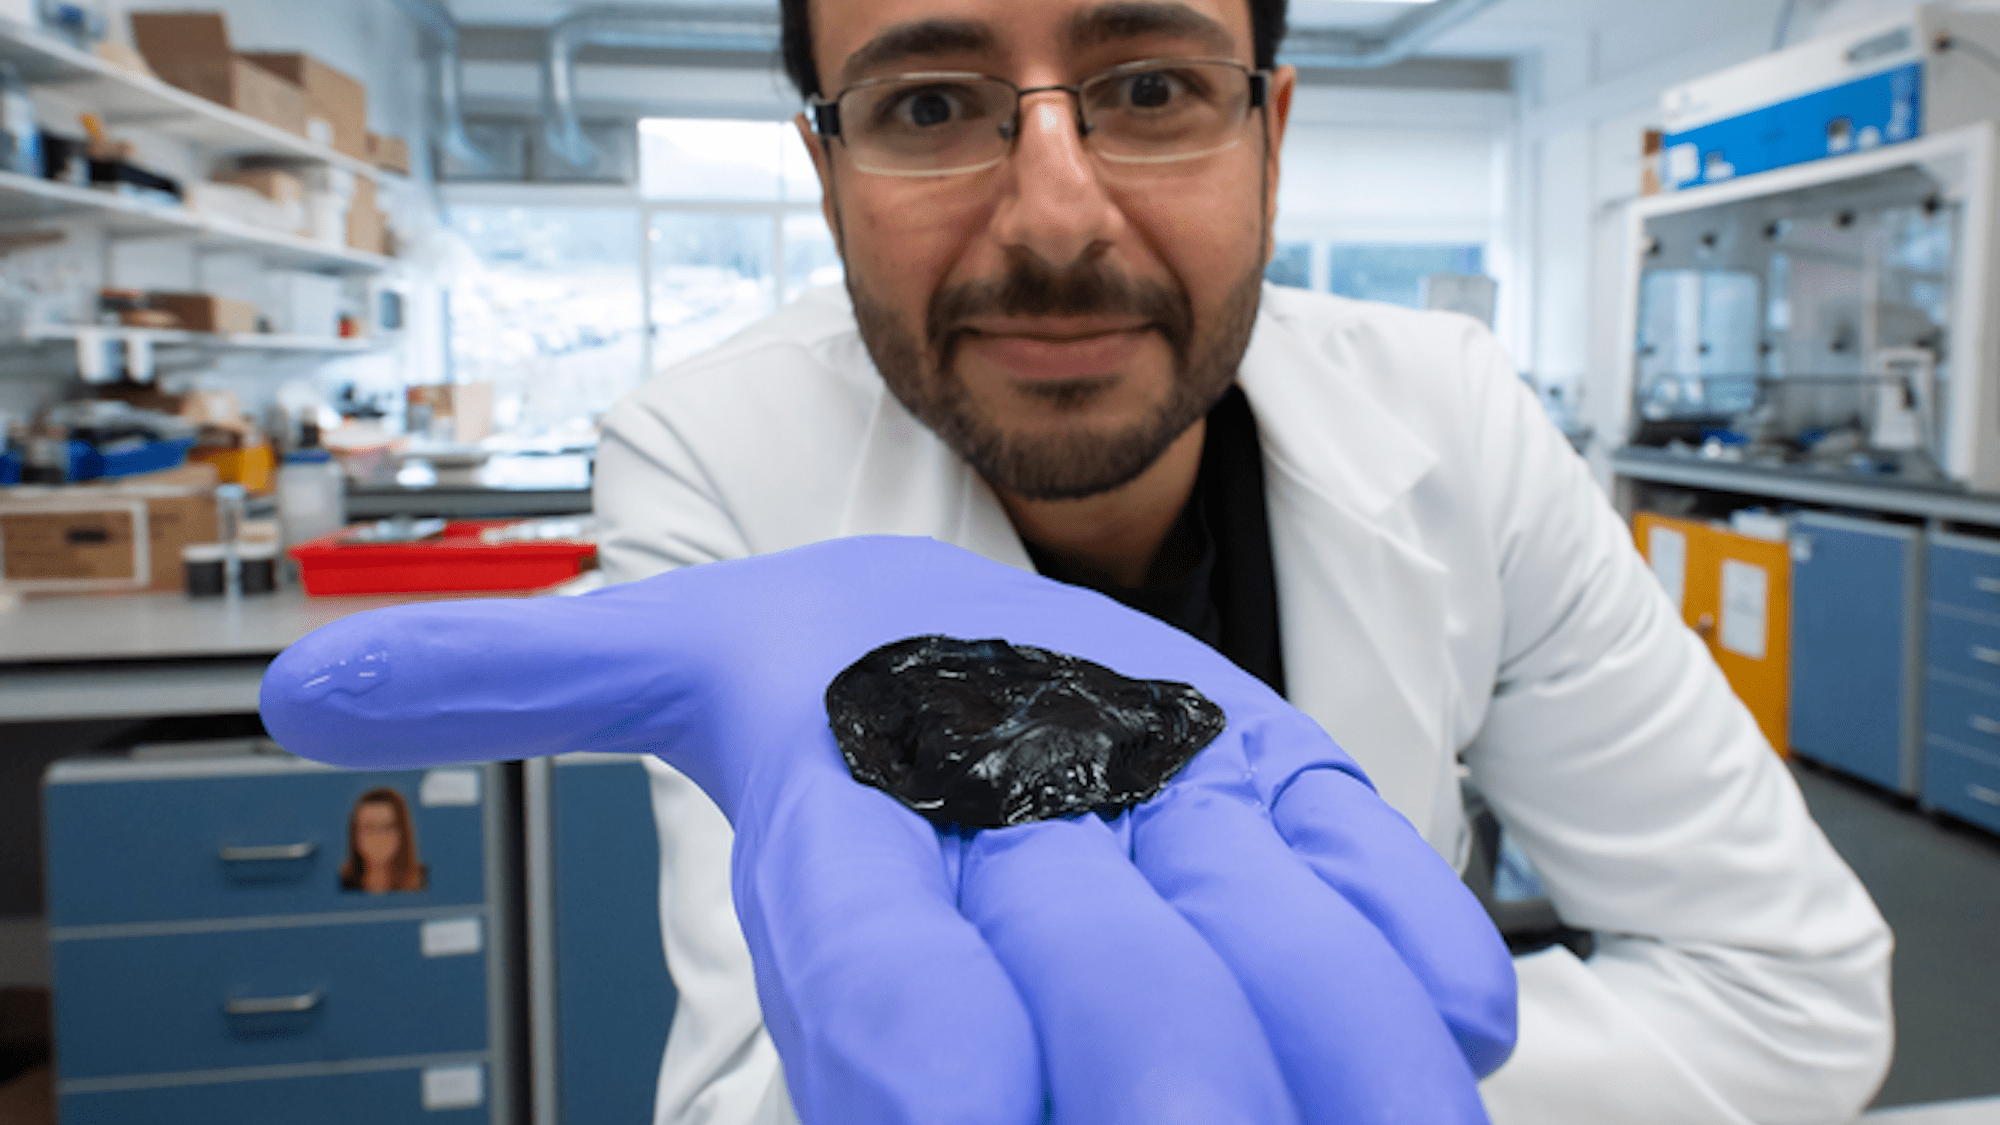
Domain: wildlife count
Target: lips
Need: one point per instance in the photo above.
(1031, 355)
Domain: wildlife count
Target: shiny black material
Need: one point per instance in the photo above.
(985, 734)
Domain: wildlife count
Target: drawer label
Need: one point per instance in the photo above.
(454, 1087)
(450, 937)
(1667, 549)
(444, 787)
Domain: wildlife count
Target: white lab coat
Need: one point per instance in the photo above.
(1451, 584)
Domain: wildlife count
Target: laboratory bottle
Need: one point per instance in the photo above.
(311, 495)
(20, 137)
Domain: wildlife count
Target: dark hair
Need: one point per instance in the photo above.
(1267, 30)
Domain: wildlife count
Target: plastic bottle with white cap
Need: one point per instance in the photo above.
(312, 499)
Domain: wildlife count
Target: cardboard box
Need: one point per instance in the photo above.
(191, 50)
(202, 312)
(274, 184)
(63, 541)
(367, 226)
(180, 509)
(391, 154)
(336, 104)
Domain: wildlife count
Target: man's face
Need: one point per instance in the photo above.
(1058, 319)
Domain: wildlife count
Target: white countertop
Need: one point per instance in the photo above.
(171, 626)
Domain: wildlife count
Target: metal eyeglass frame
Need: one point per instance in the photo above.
(826, 111)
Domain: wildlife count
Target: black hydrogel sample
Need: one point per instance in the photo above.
(984, 734)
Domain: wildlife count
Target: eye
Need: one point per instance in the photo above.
(1155, 91)
(1150, 91)
(925, 107)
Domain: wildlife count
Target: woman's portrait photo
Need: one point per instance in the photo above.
(382, 846)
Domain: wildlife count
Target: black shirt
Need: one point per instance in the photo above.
(1230, 598)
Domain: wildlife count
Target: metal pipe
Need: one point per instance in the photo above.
(444, 75)
(1402, 38)
(747, 30)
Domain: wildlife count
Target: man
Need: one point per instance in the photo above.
(1056, 351)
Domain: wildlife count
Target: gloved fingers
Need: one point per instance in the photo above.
(1375, 859)
(885, 1004)
(488, 679)
(1140, 1022)
(1358, 1039)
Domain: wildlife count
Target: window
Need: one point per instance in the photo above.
(1389, 272)
(567, 299)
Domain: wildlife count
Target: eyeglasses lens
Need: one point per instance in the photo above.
(940, 124)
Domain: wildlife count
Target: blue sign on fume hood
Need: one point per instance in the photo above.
(1881, 109)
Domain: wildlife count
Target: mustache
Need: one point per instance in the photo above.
(1030, 287)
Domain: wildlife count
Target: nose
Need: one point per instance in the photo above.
(1054, 204)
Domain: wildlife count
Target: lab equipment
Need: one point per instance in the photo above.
(450, 557)
(257, 567)
(1064, 962)
(312, 493)
(205, 567)
(1929, 71)
(1829, 317)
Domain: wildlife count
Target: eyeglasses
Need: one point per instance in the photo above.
(944, 123)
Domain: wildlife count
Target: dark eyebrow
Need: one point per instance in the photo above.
(1130, 19)
(918, 39)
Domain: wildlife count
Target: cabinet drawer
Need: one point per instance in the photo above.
(1963, 647)
(307, 994)
(1965, 574)
(383, 1097)
(154, 842)
(1963, 715)
(1963, 784)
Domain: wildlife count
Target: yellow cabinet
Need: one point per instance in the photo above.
(1736, 593)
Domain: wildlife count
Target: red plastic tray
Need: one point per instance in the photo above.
(455, 562)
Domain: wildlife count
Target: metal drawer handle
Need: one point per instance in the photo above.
(1986, 585)
(1986, 655)
(1983, 795)
(272, 1005)
(278, 851)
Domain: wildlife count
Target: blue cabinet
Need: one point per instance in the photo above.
(255, 938)
(1962, 680)
(607, 1001)
(1856, 630)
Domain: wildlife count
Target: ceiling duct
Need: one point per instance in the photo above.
(736, 30)
(442, 73)
(755, 31)
(1331, 49)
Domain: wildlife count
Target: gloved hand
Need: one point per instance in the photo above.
(1264, 942)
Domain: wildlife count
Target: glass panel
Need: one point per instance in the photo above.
(546, 307)
(682, 158)
(1291, 265)
(711, 278)
(1700, 342)
(795, 167)
(1396, 273)
(810, 257)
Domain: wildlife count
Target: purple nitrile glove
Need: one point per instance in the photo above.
(1265, 941)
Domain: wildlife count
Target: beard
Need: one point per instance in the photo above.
(1079, 460)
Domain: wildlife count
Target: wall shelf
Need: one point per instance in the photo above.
(26, 198)
(122, 97)
(93, 334)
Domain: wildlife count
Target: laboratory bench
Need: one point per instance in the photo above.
(538, 925)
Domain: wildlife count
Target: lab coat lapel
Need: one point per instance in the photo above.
(911, 483)
(1361, 604)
